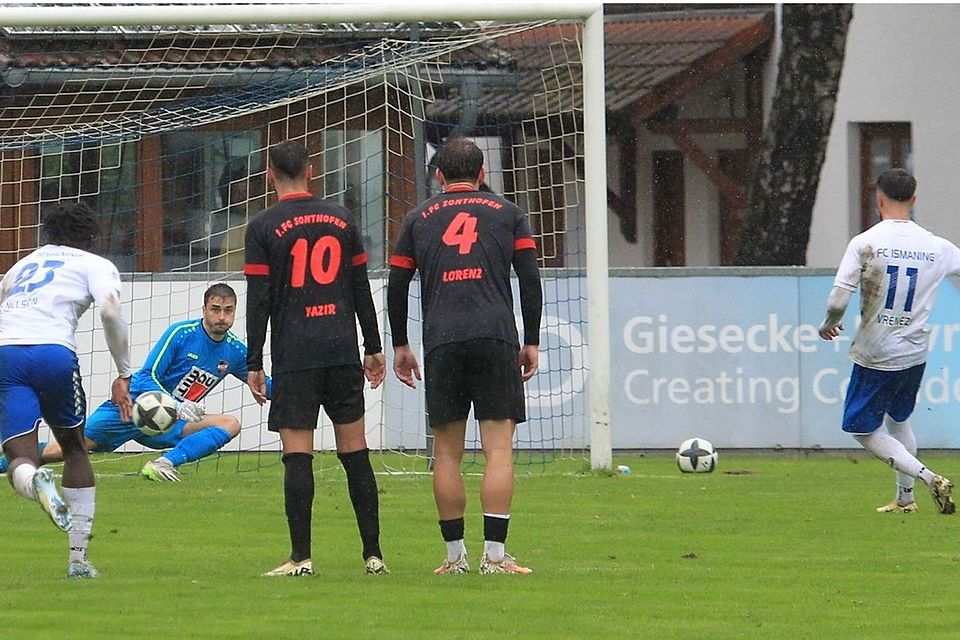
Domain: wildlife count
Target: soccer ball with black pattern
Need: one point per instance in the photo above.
(154, 412)
(696, 455)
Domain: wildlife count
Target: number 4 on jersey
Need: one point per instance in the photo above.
(461, 233)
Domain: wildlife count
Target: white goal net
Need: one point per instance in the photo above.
(164, 131)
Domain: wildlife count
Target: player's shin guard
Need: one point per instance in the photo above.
(22, 479)
(889, 449)
(82, 505)
(197, 445)
(495, 527)
(298, 502)
(366, 502)
(452, 532)
(904, 433)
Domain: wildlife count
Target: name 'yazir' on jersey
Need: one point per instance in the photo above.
(898, 265)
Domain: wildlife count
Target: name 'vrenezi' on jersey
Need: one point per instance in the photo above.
(893, 321)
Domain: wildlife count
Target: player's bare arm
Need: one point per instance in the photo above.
(117, 334)
(529, 361)
(405, 366)
(257, 381)
(837, 303)
(120, 394)
(531, 307)
(375, 369)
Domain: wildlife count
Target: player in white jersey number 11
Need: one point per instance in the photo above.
(898, 266)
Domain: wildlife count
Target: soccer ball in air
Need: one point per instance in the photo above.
(696, 455)
(154, 412)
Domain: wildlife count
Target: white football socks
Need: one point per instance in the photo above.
(455, 549)
(494, 550)
(904, 433)
(82, 506)
(889, 449)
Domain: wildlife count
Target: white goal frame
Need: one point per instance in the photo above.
(594, 115)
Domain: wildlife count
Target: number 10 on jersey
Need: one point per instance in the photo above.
(323, 260)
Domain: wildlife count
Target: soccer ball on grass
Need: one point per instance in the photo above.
(696, 455)
(154, 412)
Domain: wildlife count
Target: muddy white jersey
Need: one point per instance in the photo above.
(898, 266)
(43, 295)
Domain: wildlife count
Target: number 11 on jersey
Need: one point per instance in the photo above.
(893, 270)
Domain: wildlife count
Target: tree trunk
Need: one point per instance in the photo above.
(776, 227)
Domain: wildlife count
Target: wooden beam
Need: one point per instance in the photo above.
(401, 168)
(627, 209)
(614, 201)
(9, 211)
(700, 125)
(700, 71)
(754, 100)
(729, 187)
(29, 202)
(19, 206)
(150, 214)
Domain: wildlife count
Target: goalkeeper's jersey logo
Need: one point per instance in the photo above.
(195, 385)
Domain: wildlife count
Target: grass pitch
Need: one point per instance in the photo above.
(786, 547)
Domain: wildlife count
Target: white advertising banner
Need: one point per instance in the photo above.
(737, 360)
(732, 358)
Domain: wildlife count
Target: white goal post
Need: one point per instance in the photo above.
(590, 14)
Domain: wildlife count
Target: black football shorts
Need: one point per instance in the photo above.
(482, 372)
(296, 397)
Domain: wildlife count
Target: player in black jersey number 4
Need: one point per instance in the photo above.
(306, 273)
(464, 242)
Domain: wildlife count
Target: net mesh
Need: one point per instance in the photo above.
(165, 131)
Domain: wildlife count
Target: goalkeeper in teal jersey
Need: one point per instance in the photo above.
(189, 360)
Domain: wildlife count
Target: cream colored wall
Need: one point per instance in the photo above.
(901, 64)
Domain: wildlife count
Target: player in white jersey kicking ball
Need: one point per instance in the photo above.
(41, 299)
(898, 266)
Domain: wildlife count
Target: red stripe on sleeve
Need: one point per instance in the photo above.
(256, 269)
(403, 262)
(524, 243)
(359, 259)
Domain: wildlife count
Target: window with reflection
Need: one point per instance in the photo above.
(883, 145)
(104, 176)
(353, 175)
(213, 183)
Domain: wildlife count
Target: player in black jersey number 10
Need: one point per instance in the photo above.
(307, 275)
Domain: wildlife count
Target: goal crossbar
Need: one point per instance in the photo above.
(129, 14)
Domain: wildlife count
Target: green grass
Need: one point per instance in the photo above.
(792, 549)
